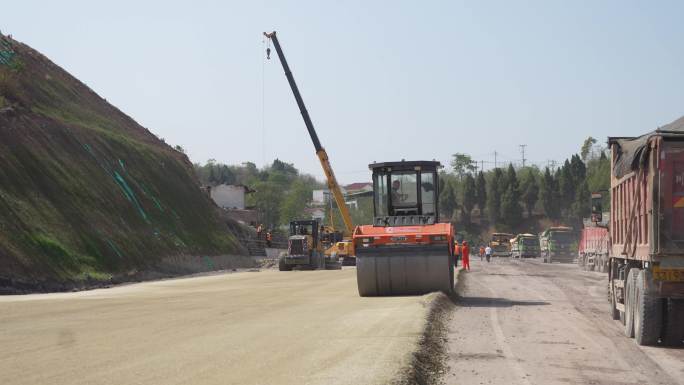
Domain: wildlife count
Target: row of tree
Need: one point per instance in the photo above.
(510, 199)
(281, 192)
(515, 200)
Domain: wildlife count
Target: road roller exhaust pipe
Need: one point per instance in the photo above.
(406, 251)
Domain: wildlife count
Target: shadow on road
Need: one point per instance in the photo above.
(495, 302)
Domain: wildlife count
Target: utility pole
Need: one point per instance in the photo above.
(522, 150)
(495, 166)
(551, 164)
(482, 166)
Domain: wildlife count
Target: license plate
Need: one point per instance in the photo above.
(676, 275)
(398, 239)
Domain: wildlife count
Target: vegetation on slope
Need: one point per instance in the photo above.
(86, 192)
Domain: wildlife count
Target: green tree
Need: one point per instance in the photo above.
(447, 200)
(267, 199)
(481, 192)
(295, 201)
(462, 164)
(581, 208)
(598, 177)
(566, 184)
(529, 191)
(285, 168)
(511, 211)
(549, 194)
(494, 195)
(586, 148)
(469, 198)
(226, 176)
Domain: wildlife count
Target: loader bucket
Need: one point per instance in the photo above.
(404, 270)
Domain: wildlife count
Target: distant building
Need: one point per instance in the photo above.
(231, 197)
(359, 187)
(320, 197)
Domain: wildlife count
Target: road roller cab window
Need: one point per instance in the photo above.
(380, 188)
(427, 192)
(405, 193)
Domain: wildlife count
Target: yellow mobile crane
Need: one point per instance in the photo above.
(342, 249)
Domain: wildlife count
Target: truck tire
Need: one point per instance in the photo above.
(648, 311)
(629, 301)
(282, 266)
(673, 328)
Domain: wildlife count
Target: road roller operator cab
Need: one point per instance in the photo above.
(405, 193)
(406, 250)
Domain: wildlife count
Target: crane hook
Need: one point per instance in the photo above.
(268, 53)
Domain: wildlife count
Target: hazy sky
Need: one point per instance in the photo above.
(382, 80)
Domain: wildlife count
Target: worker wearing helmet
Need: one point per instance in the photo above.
(465, 253)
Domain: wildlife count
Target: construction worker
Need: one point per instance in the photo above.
(268, 238)
(465, 252)
(260, 229)
(482, 252)
(396, 195)
(457, 252)
(488, 252)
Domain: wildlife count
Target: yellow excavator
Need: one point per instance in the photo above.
(340, 249)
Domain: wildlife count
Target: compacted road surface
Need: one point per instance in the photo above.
(526, 322)
(269, 327)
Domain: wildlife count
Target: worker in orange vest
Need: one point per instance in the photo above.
(482, 252)
(465, 252)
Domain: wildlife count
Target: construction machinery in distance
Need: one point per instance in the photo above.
(501, 244)
(406, 250)
(558, 244)
(306, 245)
(525, 246)
(343, 248)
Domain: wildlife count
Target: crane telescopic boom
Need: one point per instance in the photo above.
(333, 186)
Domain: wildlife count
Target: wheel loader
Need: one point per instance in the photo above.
(305, 248)
(406, 250)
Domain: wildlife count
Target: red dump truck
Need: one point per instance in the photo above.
(593, 248)
(646, 267)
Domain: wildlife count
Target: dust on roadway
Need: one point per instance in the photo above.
(526, 322)
(269, 327)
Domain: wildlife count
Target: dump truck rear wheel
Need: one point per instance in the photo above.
(673, 332)
(629, 302)
(648, 314)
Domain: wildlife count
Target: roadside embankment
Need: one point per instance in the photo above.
(170, 267)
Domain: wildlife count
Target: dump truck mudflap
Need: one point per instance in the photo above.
(404, 270)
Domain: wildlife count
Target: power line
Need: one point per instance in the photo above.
(522, 150)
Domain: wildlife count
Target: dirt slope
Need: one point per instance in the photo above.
(85, 191)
